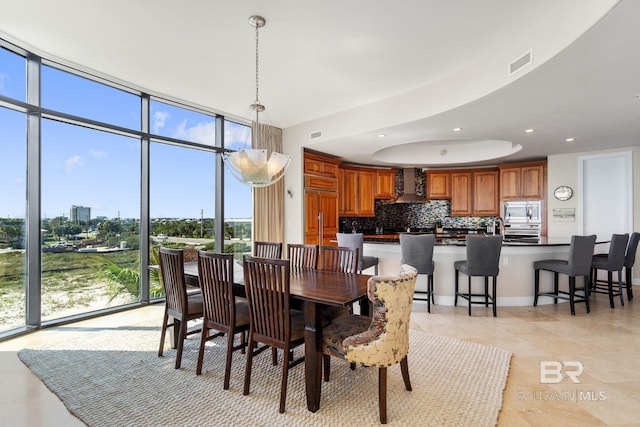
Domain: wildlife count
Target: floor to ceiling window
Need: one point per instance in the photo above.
(111, 182)
(13, 152)
(238, 209)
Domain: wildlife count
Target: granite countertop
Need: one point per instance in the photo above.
(446, 239)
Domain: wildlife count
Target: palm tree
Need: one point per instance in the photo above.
(127, 279)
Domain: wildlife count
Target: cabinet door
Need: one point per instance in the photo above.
(328, 202)
(349, 192)
(385, 184)
(485, 193)
(366, 192)
(532, 182)
(438, 185)
(461, 196)
(311, 211)
(510, 183)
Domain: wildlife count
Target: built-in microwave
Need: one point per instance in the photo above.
(529, 211)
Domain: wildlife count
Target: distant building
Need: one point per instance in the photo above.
(80, 214)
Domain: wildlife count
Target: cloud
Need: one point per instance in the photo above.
(97, 154)
(159, 119)
(72, 162)
(202, 133)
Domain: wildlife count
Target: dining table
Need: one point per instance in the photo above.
(316, 289)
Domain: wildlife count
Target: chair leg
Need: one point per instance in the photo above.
(587, 293)
(610, 286)
(274, 356)
(181, 336)
(227, 368)
(486, 291)
(165, 320)
(429, 292)
(493, 296)
(247, 369)
(404, 367)
(455, 299)
(620, 287)
(285, 378)
(536, 289)
(629, 279)
(572, 292)
(326, 362)
(203, 337)
(555, 286)
(382, 394)
(469, 294)
(433, 298)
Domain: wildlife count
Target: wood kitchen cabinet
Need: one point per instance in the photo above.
(486, 189)
(320, 199)
(438, 184)
(461, 193)
(357, 192)
(524, 181)
(385, 184)
(321, 217)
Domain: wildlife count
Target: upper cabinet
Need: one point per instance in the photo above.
(385, 184)
(438, 184)
(523, 181)
(473, 192)
(485, 192)
(357, 192)
(320, 166)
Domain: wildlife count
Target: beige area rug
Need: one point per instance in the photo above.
(115, 378)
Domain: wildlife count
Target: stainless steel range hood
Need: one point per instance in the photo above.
(410, 184)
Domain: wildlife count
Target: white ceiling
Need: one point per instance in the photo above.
(410, 69)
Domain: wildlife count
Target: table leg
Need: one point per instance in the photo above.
(313, 354)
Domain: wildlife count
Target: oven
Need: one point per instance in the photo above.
(522, 220)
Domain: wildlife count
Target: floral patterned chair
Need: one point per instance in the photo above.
(379, 342)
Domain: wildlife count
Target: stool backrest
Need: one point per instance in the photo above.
(630, 257)
(352, 240)
(417, 251)
(581, 254)
(483, 255)
(617, 251)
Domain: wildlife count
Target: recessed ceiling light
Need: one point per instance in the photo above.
(382, 135)
(570, 139)
(529, 130)
(457, 129)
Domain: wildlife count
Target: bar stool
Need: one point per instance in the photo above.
(356, 240)
(483, 259)
(417, 251)
(579, 264)
(614, 261)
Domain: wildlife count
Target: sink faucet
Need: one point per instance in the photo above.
(500, 222)
(354, 224)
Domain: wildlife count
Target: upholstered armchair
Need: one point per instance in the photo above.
(381, 341)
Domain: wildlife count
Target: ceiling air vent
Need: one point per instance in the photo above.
(521, 62)
(316, 134)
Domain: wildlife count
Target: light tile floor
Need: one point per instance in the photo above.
(606, 342)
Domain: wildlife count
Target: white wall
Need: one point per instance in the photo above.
(563, 170)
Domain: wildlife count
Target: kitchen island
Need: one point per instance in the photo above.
(516, 278)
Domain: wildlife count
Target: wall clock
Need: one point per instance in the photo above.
(563, 192)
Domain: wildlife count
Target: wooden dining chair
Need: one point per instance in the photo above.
(379, 342)
(340, 259)
(271, 322)
(267, 250)
(178, 304)
(221, 310)
(302, 256)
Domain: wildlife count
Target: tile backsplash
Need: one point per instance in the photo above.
(399, 216)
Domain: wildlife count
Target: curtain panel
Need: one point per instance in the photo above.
(268, 202)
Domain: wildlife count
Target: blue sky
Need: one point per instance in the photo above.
(101, 170)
